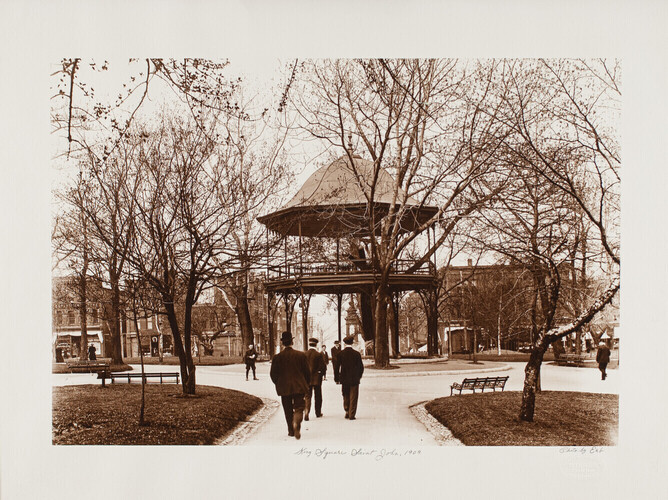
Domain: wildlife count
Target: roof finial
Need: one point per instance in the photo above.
(350, 141)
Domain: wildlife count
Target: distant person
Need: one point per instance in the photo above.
(603, 358)
(249, 359)
(336, 350)
(91, 352)
(326, 358)
(290, 373)
(351, 370)
(316, 364)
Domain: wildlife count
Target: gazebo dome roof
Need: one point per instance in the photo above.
(333, 201)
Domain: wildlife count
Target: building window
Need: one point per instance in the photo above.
(93, 317)
(71, 318)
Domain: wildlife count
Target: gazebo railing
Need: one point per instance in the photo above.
(313, 268)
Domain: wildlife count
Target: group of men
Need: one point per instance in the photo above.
(298, 378)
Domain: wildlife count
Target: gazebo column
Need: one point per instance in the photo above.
(395, 325)
(431, 309)
(270, 326)
(304, 304)
(288, 312)
(339, 297)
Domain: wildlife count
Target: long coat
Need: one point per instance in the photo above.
(336, 351)
(603, 354)
(316, 364)
(352, 367)
(290, 372)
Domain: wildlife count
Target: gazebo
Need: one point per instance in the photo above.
(333, 206)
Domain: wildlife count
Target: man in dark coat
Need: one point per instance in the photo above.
(316, 364)
(290, 373)
(352, 368)
(336, 350)
(249, 359)
(91, 353)
(325, 356)
(603, 358)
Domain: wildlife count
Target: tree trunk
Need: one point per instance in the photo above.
(141, 361)
(531, 382)
(475, 344)
(116, 354)
(182, 351)
(83, 312)
(244, 318)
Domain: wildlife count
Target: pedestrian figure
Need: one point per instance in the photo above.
(290, 373)
(326, 358)
(91, 352)
(336, 350)
(352, 368)
(316, 364)
(603, 358)
(249, 359)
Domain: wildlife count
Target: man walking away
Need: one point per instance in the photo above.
(249, 359)
(603, 358)
(352, 368)
(336, 350)
(316, 364)
(290, 373)
(325, 356)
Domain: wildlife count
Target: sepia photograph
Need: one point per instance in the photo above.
(439, 223)
(252, 265)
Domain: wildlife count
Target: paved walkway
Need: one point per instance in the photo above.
(383, 418)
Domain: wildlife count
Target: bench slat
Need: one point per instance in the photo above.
(145, 376)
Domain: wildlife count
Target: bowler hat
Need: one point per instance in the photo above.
(286, 337)
(349, 339)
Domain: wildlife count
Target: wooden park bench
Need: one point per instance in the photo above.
(89, 366)
(100, 366)
(129, 376)
(481, 383)
(572, 359)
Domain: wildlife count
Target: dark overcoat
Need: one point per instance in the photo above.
(290, 372)
(335, 355)
(603, 354)
(352, 367)
(316, 364)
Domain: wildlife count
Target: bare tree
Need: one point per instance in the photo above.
(252, 152)
(413, 120)
(180, 227)
(72, 246)
(561, 124)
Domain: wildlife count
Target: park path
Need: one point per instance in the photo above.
(384, 418)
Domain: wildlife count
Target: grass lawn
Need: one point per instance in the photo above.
(91, 414)
(166, 360)
(561, 419)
